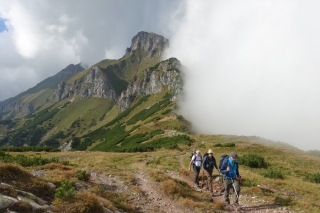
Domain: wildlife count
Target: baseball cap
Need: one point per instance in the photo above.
(233, 155)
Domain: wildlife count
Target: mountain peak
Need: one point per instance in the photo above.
(149, 42)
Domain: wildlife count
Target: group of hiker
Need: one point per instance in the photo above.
(228, 167)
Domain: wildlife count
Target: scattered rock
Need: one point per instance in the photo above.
(51, 185)
(35, 206)
(6, 201)
(7, 185)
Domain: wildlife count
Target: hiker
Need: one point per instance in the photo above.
(231, 177)
(196, 161)
(209, 163)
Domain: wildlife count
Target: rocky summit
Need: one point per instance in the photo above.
(138, 88)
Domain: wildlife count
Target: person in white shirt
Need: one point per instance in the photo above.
(196, 161)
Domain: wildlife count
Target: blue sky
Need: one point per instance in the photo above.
(2, 25)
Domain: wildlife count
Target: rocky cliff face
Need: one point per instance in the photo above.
(150, 42)
(115, 82)
(19, 109)
(165, 75)
(98, 84)
(94, 84)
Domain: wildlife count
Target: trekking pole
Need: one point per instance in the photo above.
(202, 179)
(235, 190)
(207, 183)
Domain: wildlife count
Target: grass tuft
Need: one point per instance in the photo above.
(253, 161)
(273, 173)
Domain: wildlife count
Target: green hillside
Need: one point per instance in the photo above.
(36, 97)
(286, 181)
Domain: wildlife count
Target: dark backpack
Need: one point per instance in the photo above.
(223, 158)
(205, 165)
(205, 155)
(192, 154)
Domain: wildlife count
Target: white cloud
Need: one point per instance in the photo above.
(253, 65)
(45, 36)
(253, 68)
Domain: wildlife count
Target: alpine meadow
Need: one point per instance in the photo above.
(110, 137)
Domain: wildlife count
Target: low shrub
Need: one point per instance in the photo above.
(83, 175)
(273, 173)
(29, 148)
(84, 202)
(248, 182)
(28, 161)
(66, 191)
(315, 178)
(253, 161)
(283, 201)
(224, 145)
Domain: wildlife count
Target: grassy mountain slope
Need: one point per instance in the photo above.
(294, 186)
(83, 120)
(36, 96)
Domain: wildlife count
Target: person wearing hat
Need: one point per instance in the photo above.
(231, 177)
(209, 163)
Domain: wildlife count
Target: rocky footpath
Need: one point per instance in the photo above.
(12, 198)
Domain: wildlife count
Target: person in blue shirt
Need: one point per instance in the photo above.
(231, 177)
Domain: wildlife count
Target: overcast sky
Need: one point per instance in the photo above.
(253, 67)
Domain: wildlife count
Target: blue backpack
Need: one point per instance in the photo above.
(223, 158)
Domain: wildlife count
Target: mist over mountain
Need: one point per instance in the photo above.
(252, 69)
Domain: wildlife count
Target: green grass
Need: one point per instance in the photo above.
(26, 161)
(83, 110)
(294, 167)
(253, 161)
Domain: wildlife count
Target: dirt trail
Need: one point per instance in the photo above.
(248, 203)
(152, 199)
(158, 201)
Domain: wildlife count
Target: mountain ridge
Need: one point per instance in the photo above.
(15, 107)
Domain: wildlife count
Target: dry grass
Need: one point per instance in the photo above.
(219, 205)
(295, 166)
(170, 187)
(158, 176)
(22, 206)
(184, 172)
(84, 202)
(187, 202)
(18, 177)
(279, 183)
(13, 172)
(7, 190)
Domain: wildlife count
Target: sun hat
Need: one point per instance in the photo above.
(210, 151)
